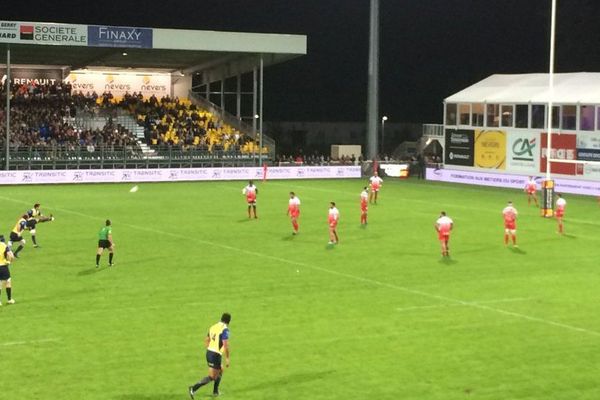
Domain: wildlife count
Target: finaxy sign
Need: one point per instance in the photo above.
(490, 149)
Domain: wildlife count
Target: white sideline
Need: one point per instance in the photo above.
(22, 342)
(432, 306)
(342, 274)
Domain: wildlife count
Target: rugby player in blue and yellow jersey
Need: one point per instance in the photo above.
(17, 234)
(6, 257)
(35, 217)
(217, 346)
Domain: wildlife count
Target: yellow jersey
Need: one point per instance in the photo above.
(20, 226)
(217, 333)
(34, 213)
(3, 250)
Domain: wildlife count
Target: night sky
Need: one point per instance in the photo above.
(429, 48)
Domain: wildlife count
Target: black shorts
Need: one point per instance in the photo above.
(4, 273)
(105, 244)
(14, 237)
(213, 360)
(31, 223)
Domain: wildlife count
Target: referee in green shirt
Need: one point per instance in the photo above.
(105, 241)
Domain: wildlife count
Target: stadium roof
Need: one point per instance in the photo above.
(151, 49)
(569, 88)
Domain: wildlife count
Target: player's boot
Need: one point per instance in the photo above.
(11, 301)
(191, 391)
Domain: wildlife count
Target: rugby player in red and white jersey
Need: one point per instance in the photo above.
(443, 226)
(250, 191)
(560, 212)
(294, 211)
(364, 205)
(375, 182)
(332, 219)
(530, 189)
(510, 223)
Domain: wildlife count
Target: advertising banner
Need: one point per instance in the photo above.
(395, 170)
(173, 175)
(588, 154)
(522, 150)
(35, 76)
(561, 185)
(119, 36)
(564, 147)
(43, 33)
(121, 83)
(9, 31)
(588, 140)
(459, 149)
(591, 171)
(490, 149)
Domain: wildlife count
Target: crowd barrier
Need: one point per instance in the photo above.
(174, 175)
(589, 188)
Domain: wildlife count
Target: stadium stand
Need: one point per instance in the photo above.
(49, 122)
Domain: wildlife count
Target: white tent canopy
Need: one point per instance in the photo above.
(569, 88)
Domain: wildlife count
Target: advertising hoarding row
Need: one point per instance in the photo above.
(120, 83)
(515, 181)
(75, 35)
(521, 151)
(174, 175)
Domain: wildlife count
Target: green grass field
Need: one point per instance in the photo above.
(380, 316)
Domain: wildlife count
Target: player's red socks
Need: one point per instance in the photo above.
(505, 239)
(295, 225)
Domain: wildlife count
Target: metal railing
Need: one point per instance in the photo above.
(115, 157)
(433, 130)
(233, 121)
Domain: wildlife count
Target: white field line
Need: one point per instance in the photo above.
(432, 306)
(26, 342)
(342, 274)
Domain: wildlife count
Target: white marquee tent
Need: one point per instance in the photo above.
(569, 88)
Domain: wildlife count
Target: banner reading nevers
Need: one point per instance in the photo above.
(523, 156)
(490, 149)
(120, 83)
(459, 147)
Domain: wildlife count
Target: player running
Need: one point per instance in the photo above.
(17, 234)
(375, 182)
(443, 226)
(35, 217)
(250, 192)
(105, 241)
(332, 219)
(561, 203)
(510, 223)
(364, 205)
(6, 256)
(530, 189)
(217, 345)
(294, 211)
